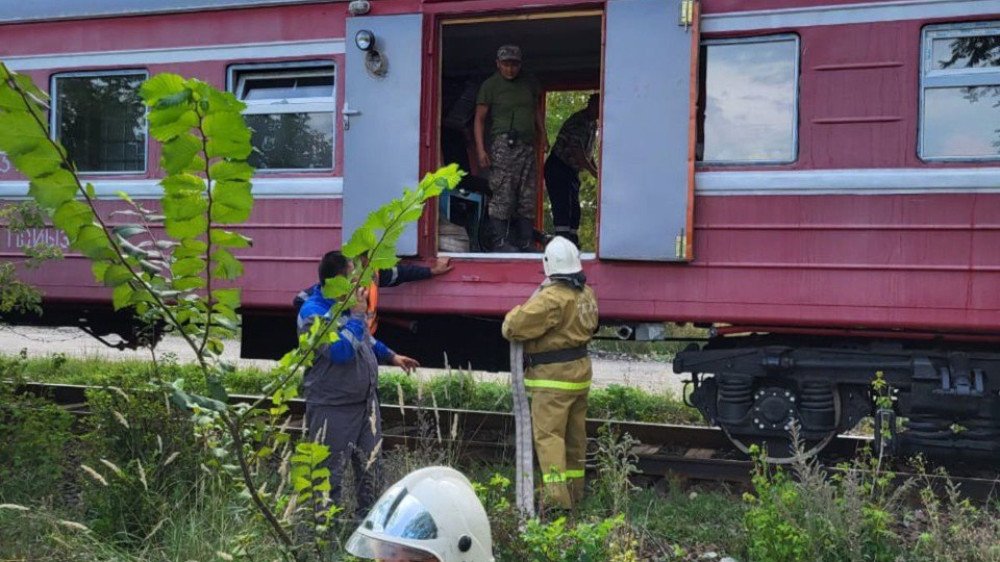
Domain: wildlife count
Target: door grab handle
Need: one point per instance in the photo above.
(347, 113)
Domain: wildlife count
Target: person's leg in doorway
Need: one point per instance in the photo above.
(563, 187)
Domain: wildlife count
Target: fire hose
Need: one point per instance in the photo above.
(524, 484)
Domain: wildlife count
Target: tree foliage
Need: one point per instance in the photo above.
(21, 219)
(185, 280)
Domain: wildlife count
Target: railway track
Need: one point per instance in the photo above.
(663, 450)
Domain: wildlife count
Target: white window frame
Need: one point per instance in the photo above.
(931, 77)
(795, 96)
(236, 78)
(54, 119)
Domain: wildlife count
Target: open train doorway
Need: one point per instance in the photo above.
(561, 56)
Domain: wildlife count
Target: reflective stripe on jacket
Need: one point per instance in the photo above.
(345, 371)
(373, 306)
(557, 317)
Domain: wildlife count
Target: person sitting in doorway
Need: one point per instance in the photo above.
(510, 99)
(572, 154)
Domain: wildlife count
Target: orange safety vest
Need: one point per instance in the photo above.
(372, 305)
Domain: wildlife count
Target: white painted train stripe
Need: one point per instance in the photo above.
(144, 57)
(799, 182)
(265, 188)
(874, 181)
(871, 12)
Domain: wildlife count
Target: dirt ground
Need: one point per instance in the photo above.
(652, 376)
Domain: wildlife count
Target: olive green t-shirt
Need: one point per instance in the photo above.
(512, 104)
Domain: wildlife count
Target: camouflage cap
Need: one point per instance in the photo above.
(509, 52)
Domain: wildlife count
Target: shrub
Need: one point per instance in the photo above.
(458, 389)
(558, 541)
(851, 516)
(617, 402)
(146, 457)
(616, 464)
(34, 434)
(946, 526)
(453, 390)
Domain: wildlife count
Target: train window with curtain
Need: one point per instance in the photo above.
(960, 92)
(100, 119)
(748, 100)
(291, 109)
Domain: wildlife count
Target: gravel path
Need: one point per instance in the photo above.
(652, 376)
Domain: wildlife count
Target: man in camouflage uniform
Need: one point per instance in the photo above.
(510, 100)
(556, 324)
(572, 154)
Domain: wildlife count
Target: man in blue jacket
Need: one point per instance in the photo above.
(341, 388)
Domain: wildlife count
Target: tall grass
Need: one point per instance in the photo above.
(455, 389)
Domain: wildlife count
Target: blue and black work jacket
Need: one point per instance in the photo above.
(345, 371)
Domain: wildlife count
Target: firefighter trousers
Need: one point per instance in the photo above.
(559, 430)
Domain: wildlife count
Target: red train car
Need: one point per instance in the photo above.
(822, 174)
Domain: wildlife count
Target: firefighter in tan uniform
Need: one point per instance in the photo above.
(556, 324)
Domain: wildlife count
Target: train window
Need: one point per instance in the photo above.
(749, 100)
(960, 92)
(291, 110)
(101, 121)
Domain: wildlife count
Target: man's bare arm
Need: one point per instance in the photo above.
(482, 111)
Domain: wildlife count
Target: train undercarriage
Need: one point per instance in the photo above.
(940, 398)
(755, 388)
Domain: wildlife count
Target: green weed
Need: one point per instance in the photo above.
(35, 435)
(617, 402)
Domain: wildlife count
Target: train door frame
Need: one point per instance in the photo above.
(433, 114)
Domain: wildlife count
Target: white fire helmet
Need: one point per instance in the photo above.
(561, 257)
(431, 514)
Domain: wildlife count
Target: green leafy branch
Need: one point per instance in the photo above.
(373, 247)
(136, 274)
(311, 484)
(176, 280)
(203, 132)
(205, 146)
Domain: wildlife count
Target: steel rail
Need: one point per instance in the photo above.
(691, 452)
(664, 449)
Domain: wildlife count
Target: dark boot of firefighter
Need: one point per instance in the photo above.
(431, 514)
(556, 324)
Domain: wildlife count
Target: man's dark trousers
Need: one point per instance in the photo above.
(563, 185)
(352, 431)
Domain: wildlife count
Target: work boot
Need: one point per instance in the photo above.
(577, 488)
(524, 235)
(501, 236)
(569, 235)
(541, 238)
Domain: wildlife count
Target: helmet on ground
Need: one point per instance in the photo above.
(561, 258)
(431, 514)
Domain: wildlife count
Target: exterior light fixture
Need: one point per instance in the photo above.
(359, 7)
(364, 39)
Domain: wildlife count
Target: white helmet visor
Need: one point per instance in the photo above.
(396, 515)
(364, 546)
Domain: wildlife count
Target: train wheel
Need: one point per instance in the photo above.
(782, 450)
